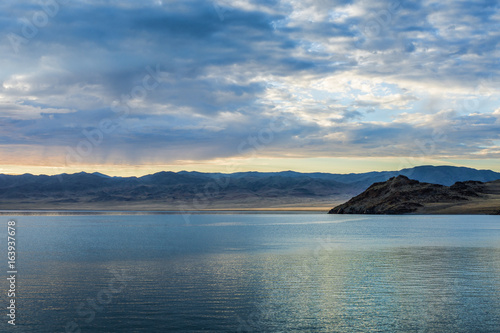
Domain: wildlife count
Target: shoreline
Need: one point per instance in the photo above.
(69, 212)
(256, 211)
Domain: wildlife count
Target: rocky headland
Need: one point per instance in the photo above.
(401, 195)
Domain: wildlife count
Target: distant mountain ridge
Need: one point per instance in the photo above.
(168, 189)
(444, 175)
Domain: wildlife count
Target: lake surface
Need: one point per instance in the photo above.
(256, 273)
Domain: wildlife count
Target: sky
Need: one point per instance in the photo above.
(135, 87)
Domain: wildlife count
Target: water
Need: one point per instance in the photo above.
(256, 273)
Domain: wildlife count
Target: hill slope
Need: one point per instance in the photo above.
(195, 190)
(401, 195)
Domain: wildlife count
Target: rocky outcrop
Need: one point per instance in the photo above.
(401, 195)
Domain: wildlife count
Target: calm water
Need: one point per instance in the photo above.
(256, 273)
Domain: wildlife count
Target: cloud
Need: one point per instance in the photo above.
(352, 78)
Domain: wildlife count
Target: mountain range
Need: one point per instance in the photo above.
(195, 190)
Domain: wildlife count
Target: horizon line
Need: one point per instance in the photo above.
(240, 172)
